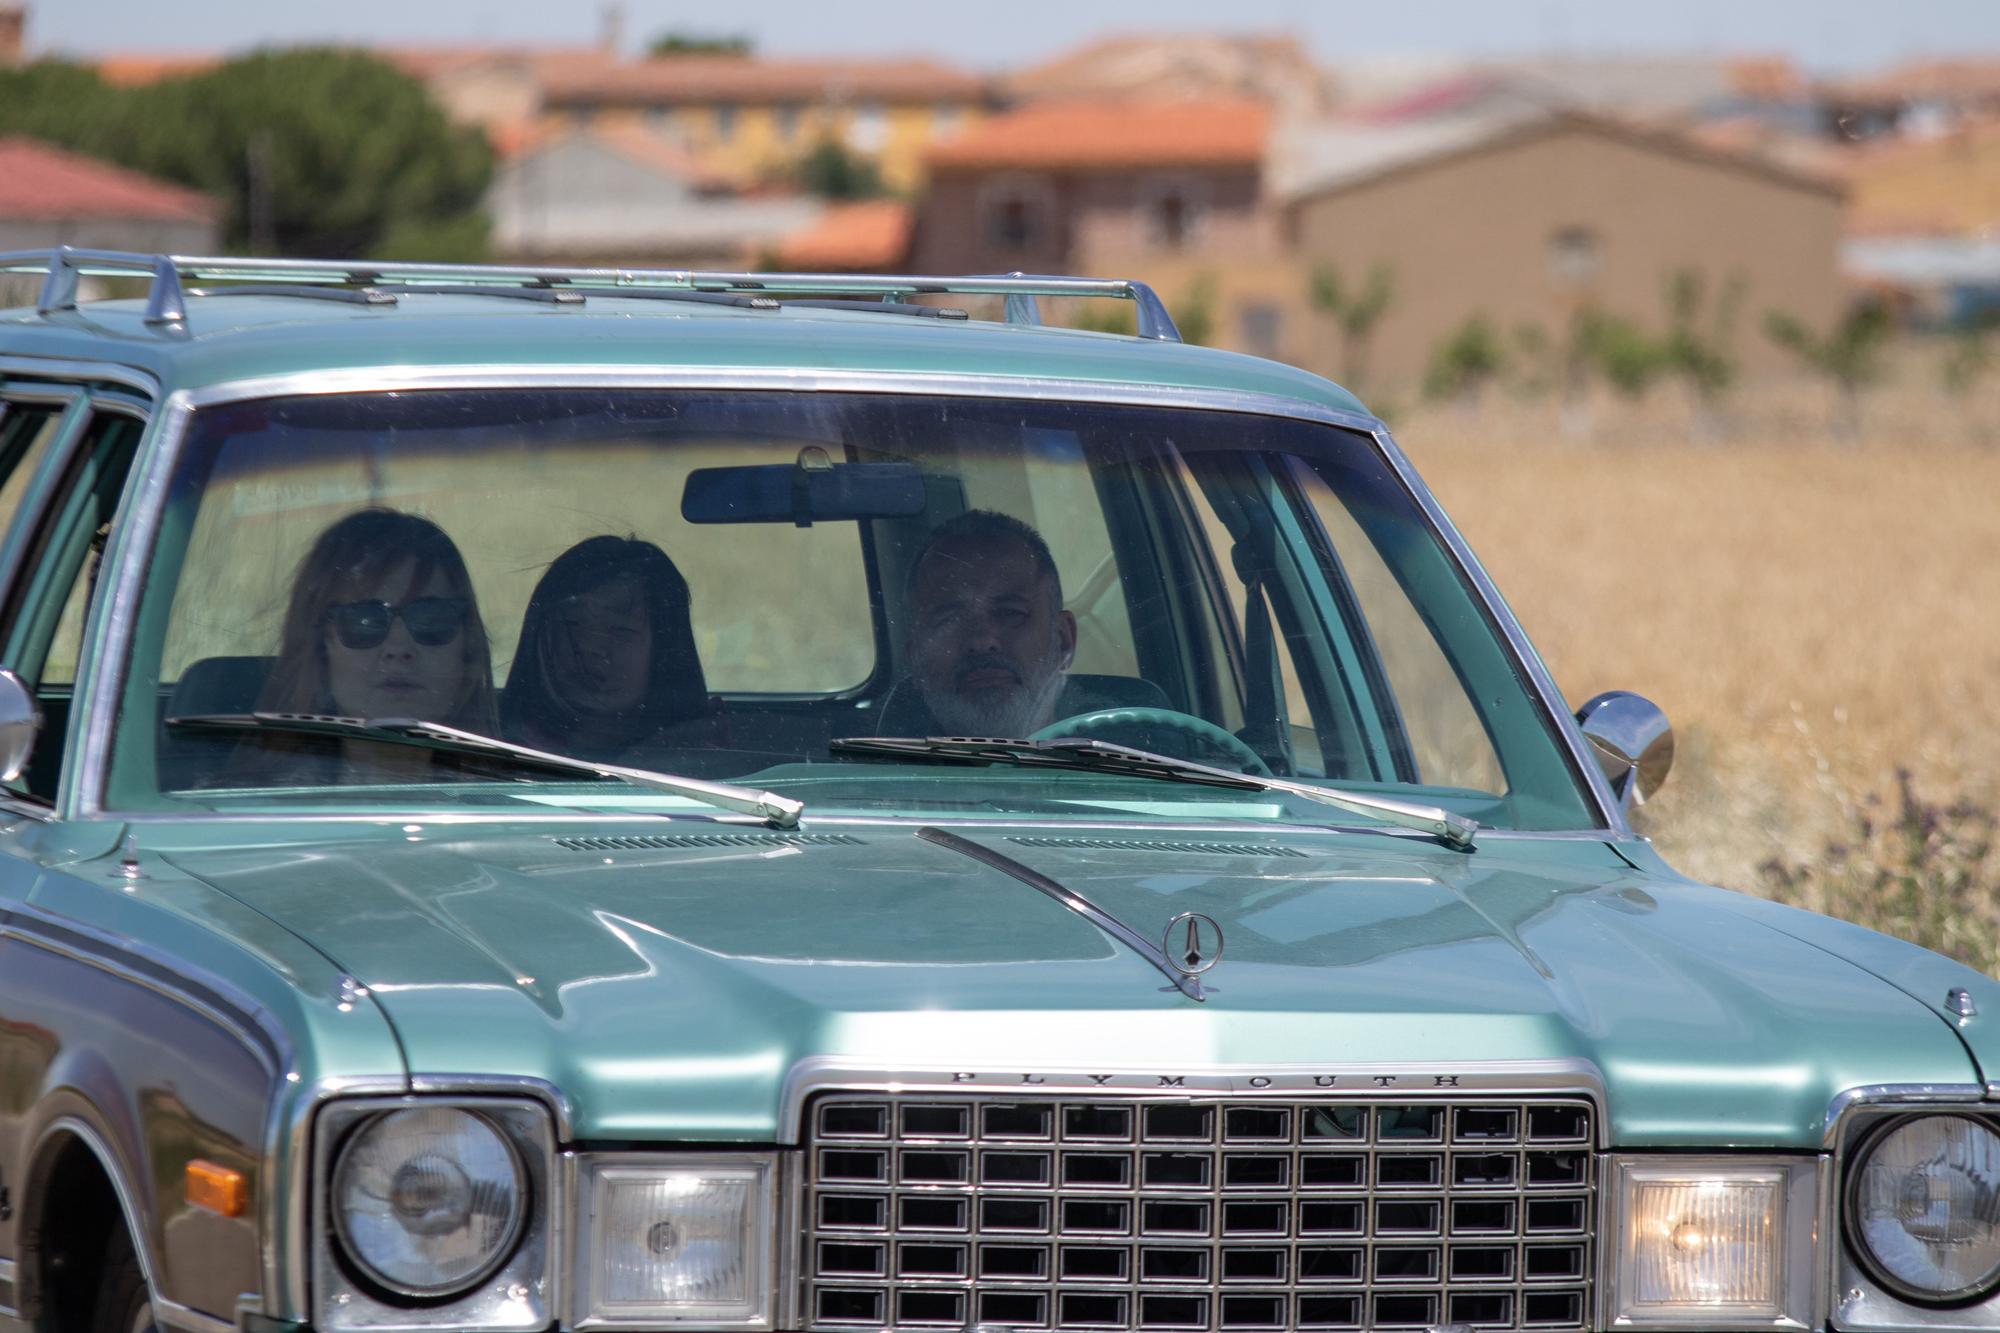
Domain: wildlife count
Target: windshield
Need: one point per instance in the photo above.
(719, 584)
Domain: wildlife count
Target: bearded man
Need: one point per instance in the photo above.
(989, 644)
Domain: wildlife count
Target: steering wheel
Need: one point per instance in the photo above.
(1199, 729)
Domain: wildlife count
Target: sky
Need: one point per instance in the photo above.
(1821, 35)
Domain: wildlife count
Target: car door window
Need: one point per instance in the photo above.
(26, 430)
(48, 607)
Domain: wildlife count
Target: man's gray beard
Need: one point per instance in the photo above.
(1014, 713)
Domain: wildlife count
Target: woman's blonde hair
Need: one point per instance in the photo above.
(348, 560)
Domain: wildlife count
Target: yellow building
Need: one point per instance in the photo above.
(749, 119)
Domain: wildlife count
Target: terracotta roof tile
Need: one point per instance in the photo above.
(134, 71)
(872, 235)
(679, 79)
(1084, 134)
(38, 181)
(1947, 80)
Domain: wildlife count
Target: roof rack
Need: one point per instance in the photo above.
(64, 266)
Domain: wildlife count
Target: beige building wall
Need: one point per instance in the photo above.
(1529, 230)
(1098, 223)
(744, 143)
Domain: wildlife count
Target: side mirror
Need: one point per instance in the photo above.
(20, 724)
(1633, 741)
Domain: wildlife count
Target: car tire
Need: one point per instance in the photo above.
(124, 1304)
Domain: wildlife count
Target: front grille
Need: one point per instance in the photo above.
(925, 1211)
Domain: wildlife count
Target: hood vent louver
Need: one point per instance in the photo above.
(1157, 845)
(667, 841)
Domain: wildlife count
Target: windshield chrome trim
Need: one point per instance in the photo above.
(1333, 1080)
(134, 529)
(1187, 983)
(145, 496)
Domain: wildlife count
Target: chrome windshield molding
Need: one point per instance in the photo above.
(1888, 1096)
(954, 384)
(825, 1073)
(133, 532)
(1585, 770)
(1186, 982)
(81, 372)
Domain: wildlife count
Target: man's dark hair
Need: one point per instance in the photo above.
(989, 527)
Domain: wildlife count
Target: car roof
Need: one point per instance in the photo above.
(230, 337)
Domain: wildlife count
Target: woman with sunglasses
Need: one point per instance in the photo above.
(607, 667)
(383, 623)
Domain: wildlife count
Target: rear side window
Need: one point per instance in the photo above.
(25, 432)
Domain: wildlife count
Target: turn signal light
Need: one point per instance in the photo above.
(217, 1188)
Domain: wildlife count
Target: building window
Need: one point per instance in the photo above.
(947, 121)
(1259, 324)
(1016, 215)
(788, 121)
(1574, 255)
(868, 127)
(1172, 211)
(725, 122)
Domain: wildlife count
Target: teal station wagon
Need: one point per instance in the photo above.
(658, 800)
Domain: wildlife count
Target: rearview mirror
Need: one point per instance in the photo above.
(813, 490)
(1633, 742)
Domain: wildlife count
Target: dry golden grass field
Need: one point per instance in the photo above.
(1815, 616)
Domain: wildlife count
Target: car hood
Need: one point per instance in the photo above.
(669, 984)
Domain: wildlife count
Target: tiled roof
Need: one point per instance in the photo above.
(1924, 80)
(850, 238)
(1271, 67)
(1099, 134)
(1314, 159)
(683, 79)
(41, 182)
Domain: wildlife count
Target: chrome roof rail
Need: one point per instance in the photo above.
(65, 265)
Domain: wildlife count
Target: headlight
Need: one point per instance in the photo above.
(428, 1201)
(1923, 1208)
(674, 1239)
(1713, 1241)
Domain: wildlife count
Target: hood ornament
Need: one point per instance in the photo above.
(1193, 943)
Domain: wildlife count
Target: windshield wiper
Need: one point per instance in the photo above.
(778, 811)
(1104, 757)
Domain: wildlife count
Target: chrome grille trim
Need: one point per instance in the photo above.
(1205, 1212)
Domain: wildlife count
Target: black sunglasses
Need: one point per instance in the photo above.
(432, 621)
